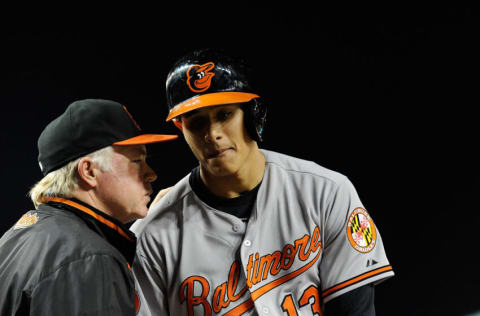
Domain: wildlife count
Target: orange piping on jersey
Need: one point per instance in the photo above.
(268, 287)
(89, 212)
(356, 280)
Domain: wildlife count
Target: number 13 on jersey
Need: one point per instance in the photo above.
(309, 297)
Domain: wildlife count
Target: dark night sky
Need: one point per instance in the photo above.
(383, 95)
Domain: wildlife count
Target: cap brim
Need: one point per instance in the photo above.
(146, 139)
(210, 99)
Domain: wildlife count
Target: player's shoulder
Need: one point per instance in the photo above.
(299, 166)
(166, 211)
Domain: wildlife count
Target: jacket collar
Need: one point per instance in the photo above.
(106, 226)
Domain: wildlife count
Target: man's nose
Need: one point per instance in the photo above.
(214, 131)
(150, 175)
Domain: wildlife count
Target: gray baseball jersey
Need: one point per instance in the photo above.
(308, 240)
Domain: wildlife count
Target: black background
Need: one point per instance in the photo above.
(384, 95)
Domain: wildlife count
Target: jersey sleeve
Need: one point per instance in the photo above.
(149, 283)
(353, 253)
(92, 286)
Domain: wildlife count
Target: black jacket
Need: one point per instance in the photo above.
(67, 258)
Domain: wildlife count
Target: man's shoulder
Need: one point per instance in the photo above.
(165, 213)
(47, 239)
(73, 231)
(300, 167)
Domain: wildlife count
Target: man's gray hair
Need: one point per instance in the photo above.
(64, 181)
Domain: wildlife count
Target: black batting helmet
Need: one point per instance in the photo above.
(210, 77)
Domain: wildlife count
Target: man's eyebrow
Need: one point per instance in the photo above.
(140, 151)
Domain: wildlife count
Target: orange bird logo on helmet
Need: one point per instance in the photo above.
(199, 78)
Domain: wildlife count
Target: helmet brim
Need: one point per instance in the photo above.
(210, 99)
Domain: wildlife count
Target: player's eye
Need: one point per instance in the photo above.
(224, 115)
(196, 123)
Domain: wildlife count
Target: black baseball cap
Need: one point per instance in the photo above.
(86, 126)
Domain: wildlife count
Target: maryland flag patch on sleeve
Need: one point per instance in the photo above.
(361, 231)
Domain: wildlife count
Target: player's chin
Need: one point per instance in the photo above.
(222, 165)
(223, 171)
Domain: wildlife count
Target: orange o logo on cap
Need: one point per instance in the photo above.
(199, 78)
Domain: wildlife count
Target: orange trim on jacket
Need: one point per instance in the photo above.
(89, 212)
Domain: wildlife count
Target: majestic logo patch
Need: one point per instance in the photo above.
(28, 219)
(361, 231)
(199, 78)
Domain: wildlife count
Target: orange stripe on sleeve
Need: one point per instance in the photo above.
(357, 279)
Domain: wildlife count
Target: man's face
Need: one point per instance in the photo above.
(218, 138)
(125, 190)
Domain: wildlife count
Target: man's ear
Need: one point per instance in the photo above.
(87, 172)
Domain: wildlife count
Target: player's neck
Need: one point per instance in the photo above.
(245, 179)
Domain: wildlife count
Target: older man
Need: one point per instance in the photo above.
(72, 255)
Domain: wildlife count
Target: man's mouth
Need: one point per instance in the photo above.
(218, 153)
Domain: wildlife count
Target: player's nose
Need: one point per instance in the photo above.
(214, 131)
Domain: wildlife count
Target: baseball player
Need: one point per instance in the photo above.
(250, 231)
(72, 255)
